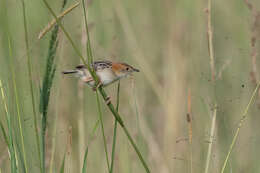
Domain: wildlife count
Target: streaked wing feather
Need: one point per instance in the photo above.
(98, 65)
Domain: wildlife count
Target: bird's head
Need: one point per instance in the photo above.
(123, 69)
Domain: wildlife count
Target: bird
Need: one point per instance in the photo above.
(107, 72)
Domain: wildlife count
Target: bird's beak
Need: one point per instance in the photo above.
(136, 70)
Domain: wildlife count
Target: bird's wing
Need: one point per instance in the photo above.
(100, 65)
(97, 65)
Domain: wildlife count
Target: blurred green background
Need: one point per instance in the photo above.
(167, 41)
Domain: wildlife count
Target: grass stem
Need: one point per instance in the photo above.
(213, 79)
(211, 139)
(17, 101)
(90, 60)
(102, 128)
(245, 114)
(29, 68)
(10, 141)
(115, 129)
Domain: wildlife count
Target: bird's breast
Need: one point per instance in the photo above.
(106, 76)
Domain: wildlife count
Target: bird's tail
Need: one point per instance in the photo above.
(70, 72)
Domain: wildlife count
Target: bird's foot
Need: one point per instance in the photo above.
(97, 86)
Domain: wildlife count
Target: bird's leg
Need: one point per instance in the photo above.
(108, 100)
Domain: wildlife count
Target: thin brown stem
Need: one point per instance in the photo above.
(53, 22)
(189, 121)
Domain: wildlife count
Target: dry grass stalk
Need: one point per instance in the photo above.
(189, 117)
(213, 78)
(211, 139)
(189, 121)
(210, 41)
(254, 37)
(256, 18)
(53, 22)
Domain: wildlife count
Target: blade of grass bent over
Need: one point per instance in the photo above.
(53, 22)
(101, 90)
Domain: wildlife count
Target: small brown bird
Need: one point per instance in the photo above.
(107, 72)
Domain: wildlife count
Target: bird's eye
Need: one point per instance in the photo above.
(127, 68)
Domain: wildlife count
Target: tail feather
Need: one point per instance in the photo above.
(70, 72)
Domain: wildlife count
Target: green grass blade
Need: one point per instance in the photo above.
(29, 67)
(18, 153)
(89, 50)
(239, 127)
(4, 134)
(10, 131)
(115, 130)
(63, 164)
(90, 61)
(17, 102)
(102, 128)
(47, 85)
(54, 133)
(84, 168)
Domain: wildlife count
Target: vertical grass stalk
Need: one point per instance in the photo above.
(29, 68)
(62, 168)
(211, 139)
(213, 79)
(89, 50)
(210, 42)
(17, 107)
(10, 142)
(102, 128)
(84, 167)
(45, 91)
(90, 61)
(47, 84)
(115, 129)
(189, 121)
